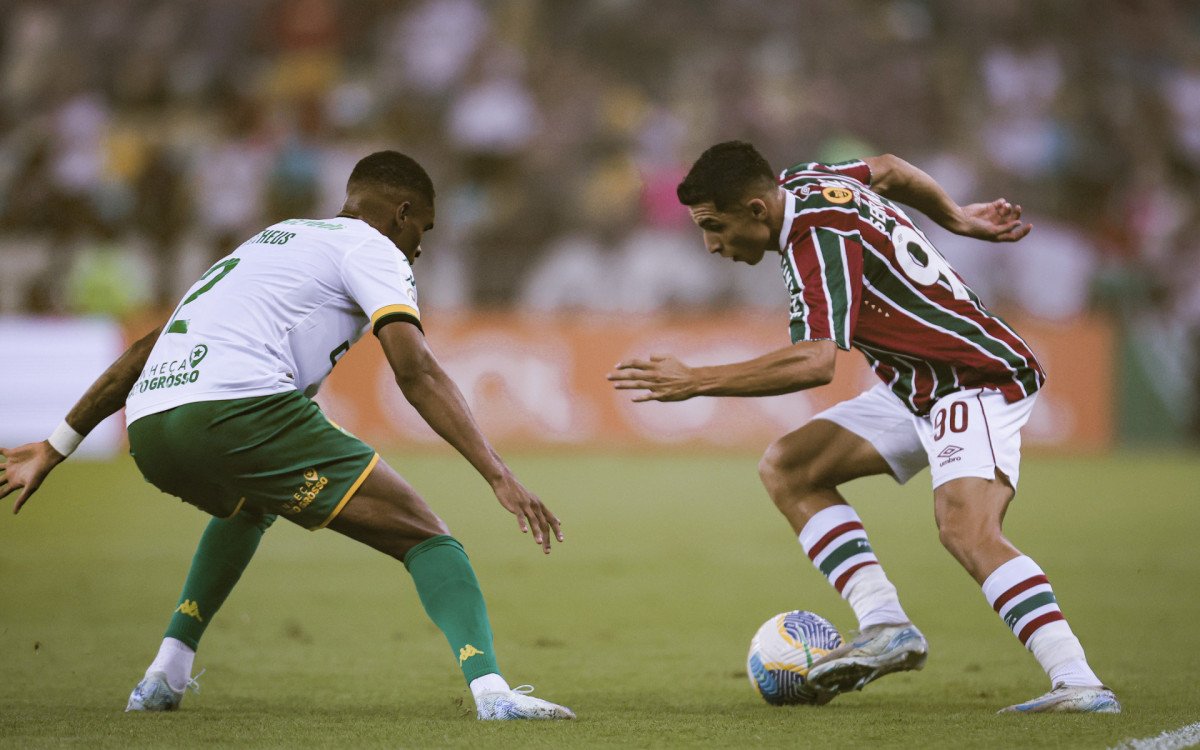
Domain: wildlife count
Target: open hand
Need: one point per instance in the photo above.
(664, 377)
(531, 513)
(24, 468)
(998, 221)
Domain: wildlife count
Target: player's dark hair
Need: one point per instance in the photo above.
(395, 170)
(724, 174)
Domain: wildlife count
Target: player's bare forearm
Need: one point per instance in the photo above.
(27, 466)
(807, 364)
(439, 402)
(894, 178)
(107, 395)
(997, 221)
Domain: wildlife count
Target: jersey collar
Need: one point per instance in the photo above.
(789, 215)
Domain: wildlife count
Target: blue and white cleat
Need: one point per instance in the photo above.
(876, 651)
(154, 693)
(507, 705)
(1064, 699)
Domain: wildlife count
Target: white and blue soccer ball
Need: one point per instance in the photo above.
(782, 651)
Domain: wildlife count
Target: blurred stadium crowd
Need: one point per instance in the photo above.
(141, 139)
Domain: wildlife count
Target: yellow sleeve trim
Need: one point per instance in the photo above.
(390, 309)
(349, 493)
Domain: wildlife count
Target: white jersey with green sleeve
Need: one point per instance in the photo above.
(276, 315)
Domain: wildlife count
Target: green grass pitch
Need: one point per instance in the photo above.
(640, 622)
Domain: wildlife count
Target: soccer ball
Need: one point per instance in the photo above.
(782, 651)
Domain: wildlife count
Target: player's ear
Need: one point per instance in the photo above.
(757, 208)
(402, 213)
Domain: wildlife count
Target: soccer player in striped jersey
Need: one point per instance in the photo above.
(957, 384)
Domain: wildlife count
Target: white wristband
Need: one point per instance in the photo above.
(64, 439)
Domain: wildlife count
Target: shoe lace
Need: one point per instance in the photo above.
(192, 683)
(523, 689)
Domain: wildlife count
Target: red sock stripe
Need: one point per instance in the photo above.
(1025, 585)
(1037, 622)
(834, 533)
(840, 583)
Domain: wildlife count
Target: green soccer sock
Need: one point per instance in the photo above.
(224, 552)
(450, 593)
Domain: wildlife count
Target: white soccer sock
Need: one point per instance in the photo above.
(1020, 593)
(175, 659)
(834, 539)
(489, 683)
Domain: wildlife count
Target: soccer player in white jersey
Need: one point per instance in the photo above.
(219, 410)
(957, 386)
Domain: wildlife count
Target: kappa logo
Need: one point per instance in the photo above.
(199, 352)
(466, 652)
(191, 609)
(837, 195)
(949, 451)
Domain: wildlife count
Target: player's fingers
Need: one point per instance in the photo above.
(543, 531)
(633, 385)
(633, 364)
(1016, 232)
(647, 397)
(5, 489)
(21, 499)
(628, 373)
(556, 525)
(535, 523)
(521, 521)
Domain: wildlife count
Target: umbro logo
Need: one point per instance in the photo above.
(949, 451)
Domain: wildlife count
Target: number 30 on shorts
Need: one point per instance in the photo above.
(956, 419)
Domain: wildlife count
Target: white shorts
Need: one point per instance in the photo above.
(970, 433)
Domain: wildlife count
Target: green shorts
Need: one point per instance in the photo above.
(268, 454)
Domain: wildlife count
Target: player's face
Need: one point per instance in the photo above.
(414, 219)
(740, 234)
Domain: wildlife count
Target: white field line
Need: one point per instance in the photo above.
(1177, 739)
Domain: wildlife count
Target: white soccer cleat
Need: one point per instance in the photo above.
(154, 693)
(506, 705)
(876, 651)
(1066, 699)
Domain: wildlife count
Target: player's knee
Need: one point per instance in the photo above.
(962, 529)
(785, 477)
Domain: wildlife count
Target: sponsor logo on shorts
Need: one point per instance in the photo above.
(190, 608)
(950, 453)
(303, 497)
(466, 652)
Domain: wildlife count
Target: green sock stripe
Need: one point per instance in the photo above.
(441, 540)
(1027, 606)
(843, 553)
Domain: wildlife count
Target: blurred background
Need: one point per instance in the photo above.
(140, 140)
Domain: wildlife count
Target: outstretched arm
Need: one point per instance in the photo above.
(26, 466)
(806, 364)
(997, 221)
(439, 402)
